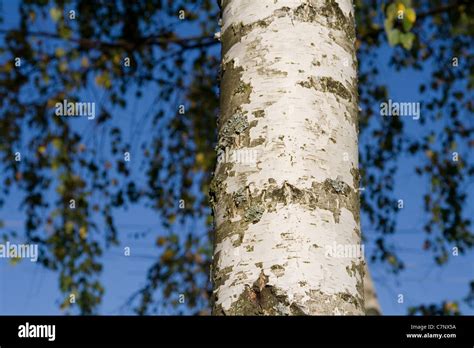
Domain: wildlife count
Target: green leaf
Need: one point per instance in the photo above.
(65, 32)
(388, 25)
(407, 39)
(57, 143)
(393, 37)
(407, 25)
(391, 11)
(407, 3)
(470, 83)
(55, 164)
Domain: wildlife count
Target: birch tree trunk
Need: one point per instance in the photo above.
(288, 100)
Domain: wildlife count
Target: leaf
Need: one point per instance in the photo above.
(57, 143)
(407, 39)
(66, 282)
(400, 8)
(407, 25)
(63, 67)
(69, 227)
(55, 164)
(394, 37)
(392, 260)
(391, 12)
(388, 25)
(85, 62)
(65, 32)
(60, 52)
(117, 58)
(200, 159)
(14, 260)
(46, 80)
(83, 232)
(167, 255)
(55, 13)
(103, 80)
(7, 67)
(161, 241)
(410, 15)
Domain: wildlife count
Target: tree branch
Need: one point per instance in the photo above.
(442, 9)
(184, 43)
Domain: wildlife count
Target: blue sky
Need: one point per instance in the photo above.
(27, 288)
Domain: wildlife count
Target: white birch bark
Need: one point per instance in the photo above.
(289, 94)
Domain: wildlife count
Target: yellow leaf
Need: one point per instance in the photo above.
(167, 255)
(103, 80)
(7, 67)
(411, 15)
(451, 306)
(400, 7)
(42, 149)
(14, 260)
(63, 67)
(57, 143)
(51, 103)
(392, 260)
(55, 13)
(60, 52)
(161, 241)
(116, 59)
(69, 227)
(83, 232)
(200, 158)
(85, 62)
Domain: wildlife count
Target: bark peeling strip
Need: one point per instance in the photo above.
(331, 195)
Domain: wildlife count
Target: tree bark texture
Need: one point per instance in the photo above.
(289, 94)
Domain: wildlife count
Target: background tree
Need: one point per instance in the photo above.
(174, 61)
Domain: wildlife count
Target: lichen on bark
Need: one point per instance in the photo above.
(327, 84)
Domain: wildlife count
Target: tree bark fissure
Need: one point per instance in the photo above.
(288, 93)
